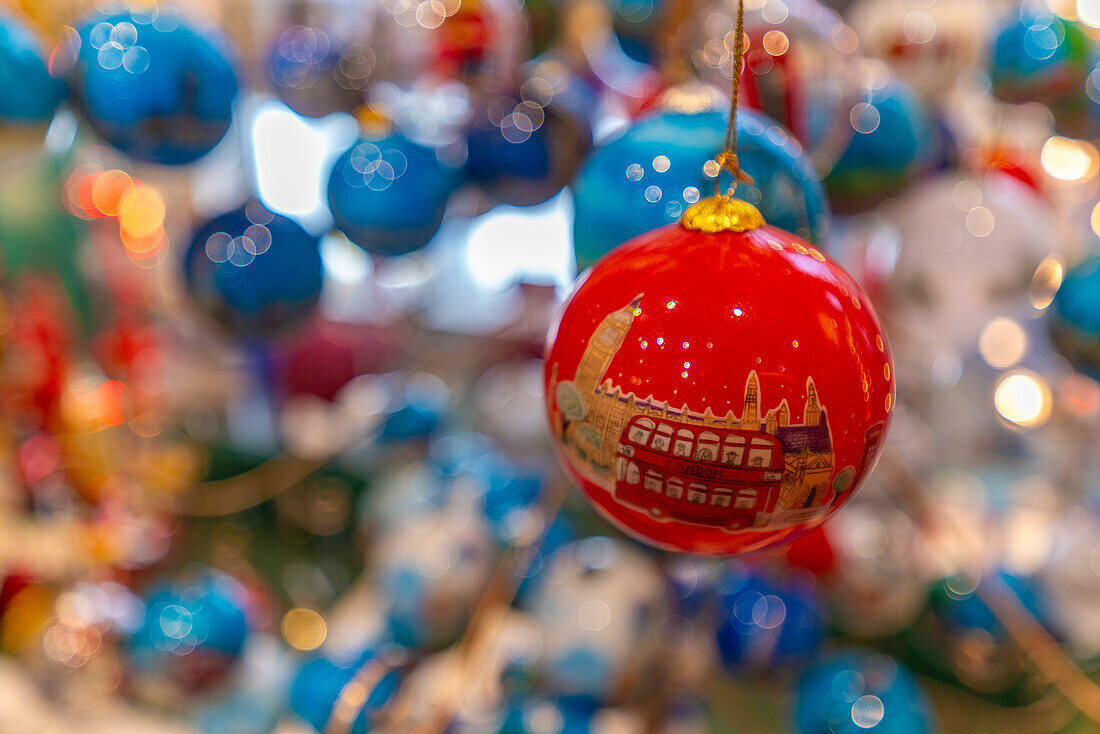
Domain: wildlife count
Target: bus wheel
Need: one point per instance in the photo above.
(657, 511)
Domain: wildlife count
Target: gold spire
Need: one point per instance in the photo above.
(750, 418)
(813, 407)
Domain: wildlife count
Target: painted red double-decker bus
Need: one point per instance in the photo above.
(711, 476)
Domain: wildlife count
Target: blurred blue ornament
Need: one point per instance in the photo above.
(466, 452)
(764, 622)
(431, 570)
(895, 140)
(253, 271)
(956, 603)
(388, 194)
(418, 408)
(522, 150)
(1039, 57)
(512, 491)
(315, 74)
(692, 581)
(154, 87)
(256, 698)
(638, 25)
(322, 680)
(193, 632)
(1075, 317)
(648, 176)
(600, 605)
(857, 691)
(28, 91)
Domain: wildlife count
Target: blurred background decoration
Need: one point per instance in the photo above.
(275, 283)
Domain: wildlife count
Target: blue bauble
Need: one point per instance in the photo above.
(388, 194)
(417, 408)
(857, 691)
(194, 630)
(28, 92)
(155, 88)
(894, 140)
(314, 74)
(523, 152)
(763, 622)
(254, 271)
(648, 176)
(321, 680)
(1075, 317)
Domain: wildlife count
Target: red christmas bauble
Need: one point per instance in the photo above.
(718, 391)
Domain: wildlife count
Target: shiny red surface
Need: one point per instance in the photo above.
(716, 307)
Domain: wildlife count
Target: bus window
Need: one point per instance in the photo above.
(733, 450)
(633, 475)
(684, 439)
(662, 439)
(761, 453)
(675, 488)
(620, 469)
(746, 499)
(652, 480)
(721, 497)
(707, 448)
(640, 431)
(697, 493)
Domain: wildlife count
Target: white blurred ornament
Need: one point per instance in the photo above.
(432, 569)
(929, 44)
(600, 604)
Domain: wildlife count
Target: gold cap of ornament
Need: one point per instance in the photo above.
(722, 214)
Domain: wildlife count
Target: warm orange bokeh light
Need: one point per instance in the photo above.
(112, 193)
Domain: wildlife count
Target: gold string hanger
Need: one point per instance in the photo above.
(722, 212)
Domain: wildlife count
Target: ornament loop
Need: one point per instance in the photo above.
(722, 214)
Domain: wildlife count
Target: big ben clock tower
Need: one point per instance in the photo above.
(603, 345)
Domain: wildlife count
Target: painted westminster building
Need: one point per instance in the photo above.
(593, 441)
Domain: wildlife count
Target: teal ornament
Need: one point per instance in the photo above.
(322, 681)
(647, 177)
(29, 93)
(1075, 317)
(894, 140)
(857, 691)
